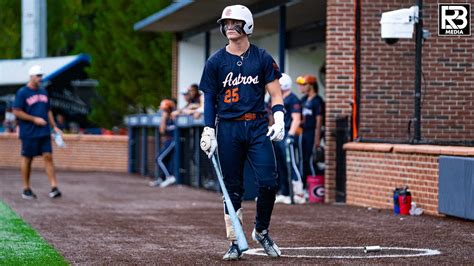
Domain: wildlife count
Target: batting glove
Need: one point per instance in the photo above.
(277, 131)
(290, 139)
(208, 141)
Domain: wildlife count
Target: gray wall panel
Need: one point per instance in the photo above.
(456, 186)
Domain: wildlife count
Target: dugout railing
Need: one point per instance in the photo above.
(190, 165)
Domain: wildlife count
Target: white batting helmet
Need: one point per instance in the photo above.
(238, 12)
(285, 82)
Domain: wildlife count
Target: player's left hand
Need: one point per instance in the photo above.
(277, 131)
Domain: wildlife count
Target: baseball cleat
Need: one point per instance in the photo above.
(233, 253)
(28, 194)
(55, 193)
(270, 248)
(299, 199)
(283, 199)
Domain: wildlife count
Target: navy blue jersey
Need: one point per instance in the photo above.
(170, 126)
(292, 105)
(239, 81)
(34, 102)
(311, 109)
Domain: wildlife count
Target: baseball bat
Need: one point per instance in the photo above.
(289, 171)
(239, 233)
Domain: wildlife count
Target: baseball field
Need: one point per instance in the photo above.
(117, 219)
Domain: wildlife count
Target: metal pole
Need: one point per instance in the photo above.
(131, 149)
(207, 45)
(157, 150)
(282, 35)
(357, 74)
(418, 57)
(143, 144)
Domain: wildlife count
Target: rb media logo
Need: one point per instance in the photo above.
(454, 19)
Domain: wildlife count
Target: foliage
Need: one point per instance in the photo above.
(133, 68)
(64, 23)
(10, 29)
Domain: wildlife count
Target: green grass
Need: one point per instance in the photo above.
(21, 245)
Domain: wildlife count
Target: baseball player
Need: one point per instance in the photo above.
(234, 81)
(313, 111)
(163, 157)
(292, 123)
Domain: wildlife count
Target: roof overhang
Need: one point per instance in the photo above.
(14, 72)
(192, 17)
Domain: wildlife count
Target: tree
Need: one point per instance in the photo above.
(133, 68)
(64, 22)
(10, 29)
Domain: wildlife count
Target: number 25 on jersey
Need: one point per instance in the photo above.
(231, 95)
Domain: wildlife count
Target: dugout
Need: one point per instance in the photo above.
(190, 165)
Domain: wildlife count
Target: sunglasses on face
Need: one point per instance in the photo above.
(39, 75)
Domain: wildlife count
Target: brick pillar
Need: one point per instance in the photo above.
(174, 66)
(339, 79)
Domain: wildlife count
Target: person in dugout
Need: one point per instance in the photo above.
(292, 123)
(312, 113)
(164, 158)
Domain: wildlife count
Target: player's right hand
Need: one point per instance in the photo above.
(208, 141)
(39, 121)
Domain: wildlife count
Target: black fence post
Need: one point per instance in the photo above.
(342, 136)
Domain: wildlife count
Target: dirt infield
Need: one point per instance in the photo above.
(118, 219)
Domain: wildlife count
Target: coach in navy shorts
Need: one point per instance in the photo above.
(234, 81)
(32, 108)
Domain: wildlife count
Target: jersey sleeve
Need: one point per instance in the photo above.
(209, 86)
(317, 107)
(208, 83)
(49, 99)
(271, 69)
(19, 102)
(294, 105)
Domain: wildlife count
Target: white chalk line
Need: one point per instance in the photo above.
(423, 252)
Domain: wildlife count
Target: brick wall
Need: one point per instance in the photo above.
(374, 170)
(388, 75)
(83, 153)
(387, 78)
